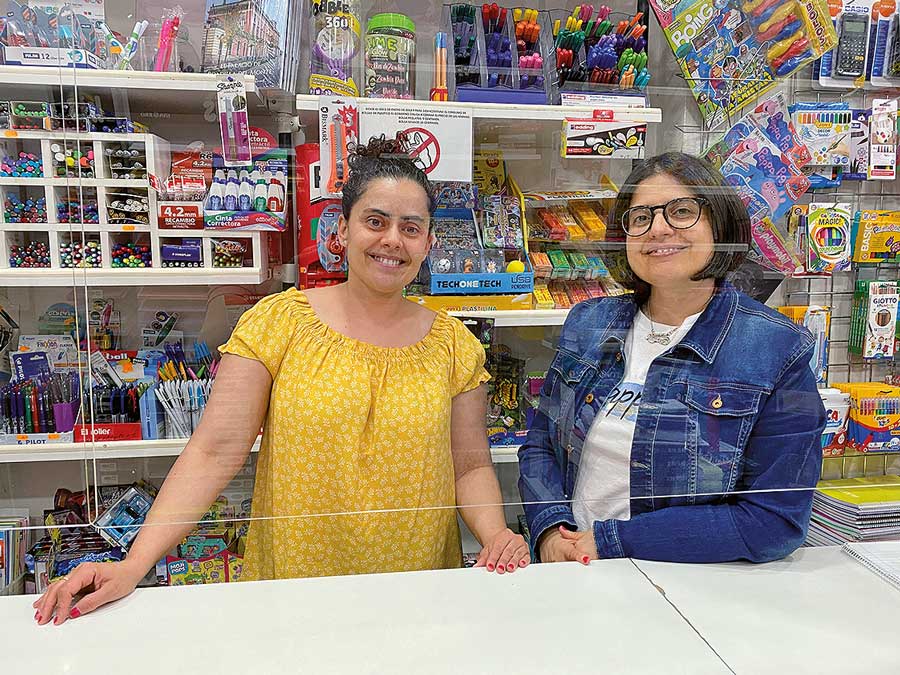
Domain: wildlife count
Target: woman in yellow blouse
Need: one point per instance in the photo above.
(373, 411)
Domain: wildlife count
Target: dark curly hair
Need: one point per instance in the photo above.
(727, 215)
(382, 157)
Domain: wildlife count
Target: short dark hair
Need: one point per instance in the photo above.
(382, 157)
(727, 215)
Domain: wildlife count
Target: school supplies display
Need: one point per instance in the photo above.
(864, 509)
(14, 538)
(53, 33)
(602, 138)
(730, 54)
(882, 558)
(873, 319)
(48, 405)
(874, 424)
(390, 52)
(876, 236)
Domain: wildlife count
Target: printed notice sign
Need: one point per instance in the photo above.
(440, 138)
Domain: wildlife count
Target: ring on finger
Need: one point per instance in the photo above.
(60, 580)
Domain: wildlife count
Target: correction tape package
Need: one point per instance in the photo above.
(731, 53)
(332, 255)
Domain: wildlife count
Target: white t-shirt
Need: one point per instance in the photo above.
(603, 487)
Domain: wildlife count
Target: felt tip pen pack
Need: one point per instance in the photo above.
(825, 130)
(874, 419)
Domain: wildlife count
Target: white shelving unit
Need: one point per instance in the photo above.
(521, 317)
(104, 189)
(68, 452)
(308, 107)
(160, 92)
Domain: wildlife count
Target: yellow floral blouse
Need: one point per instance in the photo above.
(355, 473)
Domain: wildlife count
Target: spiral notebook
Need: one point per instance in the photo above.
(881, 557)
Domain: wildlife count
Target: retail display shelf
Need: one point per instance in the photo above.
(67, 452)
(132, 277)
(521, 317)
(160, 92)
(500, 112)
(76, 182)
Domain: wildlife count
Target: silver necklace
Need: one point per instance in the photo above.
(664, 338)
(653, 337)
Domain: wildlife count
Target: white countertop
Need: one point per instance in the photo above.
(817, 611)
(561, 618)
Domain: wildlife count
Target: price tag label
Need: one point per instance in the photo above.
(180, 215)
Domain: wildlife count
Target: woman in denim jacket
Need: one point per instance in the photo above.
(681, 423)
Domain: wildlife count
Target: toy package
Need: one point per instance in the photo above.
(768, 182)
(731, 53)
(847, 65)
(828, 229)
(876, 236)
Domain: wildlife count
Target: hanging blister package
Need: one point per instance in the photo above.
(859, 146)
(883, 140)
(846, 66)
(234, 124)
(338, 132)
(335, 39)
(825, 129)
(886, 55)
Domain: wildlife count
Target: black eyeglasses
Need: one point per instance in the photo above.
(681, 213)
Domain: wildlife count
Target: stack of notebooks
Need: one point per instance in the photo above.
(13, 544)
(855, 509)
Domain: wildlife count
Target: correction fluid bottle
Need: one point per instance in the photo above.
(245, 196)
(259, 196)
(275, 198)
(216, 197)
(231, 196)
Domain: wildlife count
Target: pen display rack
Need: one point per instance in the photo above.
(606, 53)
(485, 63)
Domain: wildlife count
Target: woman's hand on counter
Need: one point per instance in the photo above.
(554, 548)
(99, 583)
(506, 551)
(585, 546)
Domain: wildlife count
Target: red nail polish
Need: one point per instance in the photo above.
(75, 613)
(490, 567)
(585, 560)
(510, 567)
(37, 616)
(522, 563)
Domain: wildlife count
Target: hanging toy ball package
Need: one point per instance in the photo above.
(731, 52)
(335, 43)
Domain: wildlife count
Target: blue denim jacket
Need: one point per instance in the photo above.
(726, 444)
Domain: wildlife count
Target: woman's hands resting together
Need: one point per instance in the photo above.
(505, 552)
(561, 545)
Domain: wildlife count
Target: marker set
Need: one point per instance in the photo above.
(499, 54)
(602, 51)
(874, 424)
